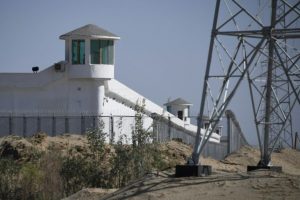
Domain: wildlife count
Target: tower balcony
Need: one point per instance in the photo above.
(99, 71)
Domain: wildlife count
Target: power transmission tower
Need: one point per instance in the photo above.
(286, 139)
(258, 43)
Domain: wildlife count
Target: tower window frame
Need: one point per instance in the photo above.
(78, 52)
(102, 52)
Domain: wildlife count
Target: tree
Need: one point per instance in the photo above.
(96, 139)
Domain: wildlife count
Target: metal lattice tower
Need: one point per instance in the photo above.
(257, 43)
(286, 138)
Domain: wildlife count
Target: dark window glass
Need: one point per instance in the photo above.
(180, 115)
(95, 52)
(206, 125)
(169, 108)
(102, 52)
(78, 52)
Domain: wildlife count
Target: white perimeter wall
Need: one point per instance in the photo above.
(50, 93)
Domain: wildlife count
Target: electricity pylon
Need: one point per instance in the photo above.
(257, 43)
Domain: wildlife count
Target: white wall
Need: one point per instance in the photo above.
(184, 108)
(51, 93)
(48, 93)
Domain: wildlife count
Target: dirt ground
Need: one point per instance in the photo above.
(229, 180)
(254, 185)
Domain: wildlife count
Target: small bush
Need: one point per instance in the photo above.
(48, 175)
(96, 139)
(51, 185)
(79, 172)
(133, 161)
(38, 138)
(31, 178)
(9, 179)
(122, 164)
(73, 176)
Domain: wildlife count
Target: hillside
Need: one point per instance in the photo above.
(229, 179)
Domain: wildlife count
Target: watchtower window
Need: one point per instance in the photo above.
(206, 125)
(180, 115)
(169, 108)
(78, 52)
(102, 52)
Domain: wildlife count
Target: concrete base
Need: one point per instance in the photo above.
(192, 170)
(271, 168)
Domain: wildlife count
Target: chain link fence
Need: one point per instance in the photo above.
(163, 129)
(235, 137)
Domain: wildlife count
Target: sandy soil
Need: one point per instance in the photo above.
(238, 161)
(22, 148)
(90, 194)
(254, 185)
(229, 180)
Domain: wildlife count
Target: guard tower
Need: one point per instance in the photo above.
(180, 108)
(89, 52)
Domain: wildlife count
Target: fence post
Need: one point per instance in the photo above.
(10, 125)
(94, 122)
(38, 124)
(155, 130)
(155, 126)
(66, 125)
(296, 139)
(53, 125)
(228, 134)
(169, 128)
(82, 124)
(112, 134)
(24, 126)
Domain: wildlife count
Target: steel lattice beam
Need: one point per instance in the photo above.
(262, 47)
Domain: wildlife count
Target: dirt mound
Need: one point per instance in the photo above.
(90, 193)
(15, 147)
(230, 180)
(245, 156)
(230, 174)
(289, 159)
(23, 149)
(175, 152)
(254, 185)
(238, 161)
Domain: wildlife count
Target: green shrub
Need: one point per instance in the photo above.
(31, 179)
(48, 175)
(96, 139)
(122, 164)
(78, 173)
(133, 161)
(51, 185)
(9, 179)
(72, 173)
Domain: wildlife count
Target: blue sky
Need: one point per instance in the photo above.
(162, 52)
(163, 42)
